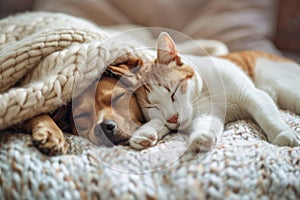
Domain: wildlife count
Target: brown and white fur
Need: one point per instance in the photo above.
(175, 96)
(106, 114)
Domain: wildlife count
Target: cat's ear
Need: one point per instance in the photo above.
(166, 50)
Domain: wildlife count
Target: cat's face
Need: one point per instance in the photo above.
(166, 87)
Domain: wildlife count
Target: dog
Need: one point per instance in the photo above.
(106, 113)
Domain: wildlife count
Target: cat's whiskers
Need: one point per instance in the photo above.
(211, 96)
(197, 104)
(204, 97)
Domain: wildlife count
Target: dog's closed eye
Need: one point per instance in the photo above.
(116, 98)
(82, 115)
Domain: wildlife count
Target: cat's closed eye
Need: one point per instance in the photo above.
(173, 94)
(176, 89)
(156, 106)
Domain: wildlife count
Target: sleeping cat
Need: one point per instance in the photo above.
(198, 100)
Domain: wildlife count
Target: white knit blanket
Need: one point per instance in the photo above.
(42, 58)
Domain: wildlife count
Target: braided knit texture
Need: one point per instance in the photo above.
(243, 165)
(42, 58)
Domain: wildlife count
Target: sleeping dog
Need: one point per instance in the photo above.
(111, 119)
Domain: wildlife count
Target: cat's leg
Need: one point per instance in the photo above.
(281, 80)
(204, 131)
(262, 108)
(288, 96)
(148, 134)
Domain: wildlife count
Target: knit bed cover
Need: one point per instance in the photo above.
(43, 57)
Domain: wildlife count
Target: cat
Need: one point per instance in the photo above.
(175, 96)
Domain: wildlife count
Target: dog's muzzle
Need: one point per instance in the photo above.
(109, 127)
(107, 133)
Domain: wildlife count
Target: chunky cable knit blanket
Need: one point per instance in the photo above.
(43, 56)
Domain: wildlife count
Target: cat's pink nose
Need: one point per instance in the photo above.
(173, 119)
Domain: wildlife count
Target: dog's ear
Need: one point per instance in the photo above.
(120, 70)
(126, 72)
(126, 76)
(133, 62)
(127, 68)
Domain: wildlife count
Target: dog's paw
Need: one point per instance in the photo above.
(286, 138)
(49, 141)
(143, 138)
(201, 142)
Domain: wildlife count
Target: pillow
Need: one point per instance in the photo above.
(240, 24)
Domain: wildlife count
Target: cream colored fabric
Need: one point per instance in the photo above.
(240, 24)
(243, 165)
(45, 59)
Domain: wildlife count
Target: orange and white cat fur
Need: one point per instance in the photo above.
(175, 97)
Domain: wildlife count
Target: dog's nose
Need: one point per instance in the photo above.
(108, 126)
(102, 137)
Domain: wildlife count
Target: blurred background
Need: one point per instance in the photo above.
(268, 25)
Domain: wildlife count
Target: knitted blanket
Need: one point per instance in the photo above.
(43, 57)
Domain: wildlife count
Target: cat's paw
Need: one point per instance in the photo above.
(201, 142)
(286, 138)
(49, 141)
(143, 138)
